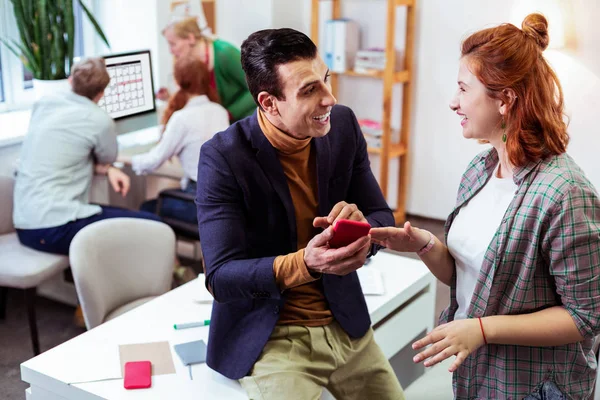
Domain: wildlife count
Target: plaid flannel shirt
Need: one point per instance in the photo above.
(546, 252)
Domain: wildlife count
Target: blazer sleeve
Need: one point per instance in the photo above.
(230, 274)
(364, 190)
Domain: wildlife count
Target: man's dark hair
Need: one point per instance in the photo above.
(264, 51)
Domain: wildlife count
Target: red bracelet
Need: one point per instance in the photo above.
(482, 332)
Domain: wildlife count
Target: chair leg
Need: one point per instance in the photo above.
(3, 298)
(195, 255)
(30, 295)
(159, 202)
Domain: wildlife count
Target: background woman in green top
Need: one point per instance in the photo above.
(223, 61)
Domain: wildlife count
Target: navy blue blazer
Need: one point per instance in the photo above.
(246, 219)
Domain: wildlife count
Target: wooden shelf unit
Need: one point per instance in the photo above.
(389, 149)
(399, 77)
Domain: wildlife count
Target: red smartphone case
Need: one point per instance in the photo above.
(347, 231)
(138, 375)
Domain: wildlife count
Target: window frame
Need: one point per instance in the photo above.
(2, 100)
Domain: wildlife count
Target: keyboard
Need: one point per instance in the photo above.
(138, 142)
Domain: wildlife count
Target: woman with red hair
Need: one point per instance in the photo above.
(522, 252)
(193, 115)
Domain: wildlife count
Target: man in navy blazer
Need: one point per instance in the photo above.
(289, 316)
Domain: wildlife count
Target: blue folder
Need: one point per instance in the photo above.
(191, 352)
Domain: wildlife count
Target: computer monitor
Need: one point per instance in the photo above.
(129, 97)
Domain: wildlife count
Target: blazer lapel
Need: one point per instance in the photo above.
(267, 157)
(323, 160)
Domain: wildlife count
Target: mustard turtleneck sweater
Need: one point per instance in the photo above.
(306, 304)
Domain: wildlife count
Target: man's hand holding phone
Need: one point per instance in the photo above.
(320, 257)
(351, 252)
(341, 210)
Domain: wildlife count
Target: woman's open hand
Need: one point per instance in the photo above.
(460, 338)
(407, 239)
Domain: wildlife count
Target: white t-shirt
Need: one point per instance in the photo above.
(471, 233)
(186, 132)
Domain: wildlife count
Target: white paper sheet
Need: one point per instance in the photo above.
(202, 295)
(371, 281)
(98, 364)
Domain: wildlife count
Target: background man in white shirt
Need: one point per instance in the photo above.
(69, 139)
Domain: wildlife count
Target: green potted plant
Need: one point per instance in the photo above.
(47, 33)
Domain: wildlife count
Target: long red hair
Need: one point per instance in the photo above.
(193, 78)
(506, 57)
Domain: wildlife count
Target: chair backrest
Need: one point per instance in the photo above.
(6, 204)
(117, 261)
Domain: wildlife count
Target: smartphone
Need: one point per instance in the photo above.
(346, 231)
(138, 375)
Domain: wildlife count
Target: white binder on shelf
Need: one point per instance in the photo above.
(341, 44)
(328, 43)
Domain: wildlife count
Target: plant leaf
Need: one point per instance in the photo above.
(70, 31)
(93, 21)
(22, 52)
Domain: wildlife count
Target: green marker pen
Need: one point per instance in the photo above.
(192, 324)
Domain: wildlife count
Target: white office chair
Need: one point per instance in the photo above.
(119, 264)
(22, 267)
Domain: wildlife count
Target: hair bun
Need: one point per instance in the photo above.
(535, 26)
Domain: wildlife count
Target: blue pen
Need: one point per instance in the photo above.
(192, 324)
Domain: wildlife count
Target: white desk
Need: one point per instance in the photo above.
(398, 316)
(141, 141)
(147, 136)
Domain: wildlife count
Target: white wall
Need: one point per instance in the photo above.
(439, 153)
(289, 14)
(587, 33)
(129, 25)
(165, 61)
(236, 19)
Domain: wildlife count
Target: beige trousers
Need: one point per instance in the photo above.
(298, 362)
